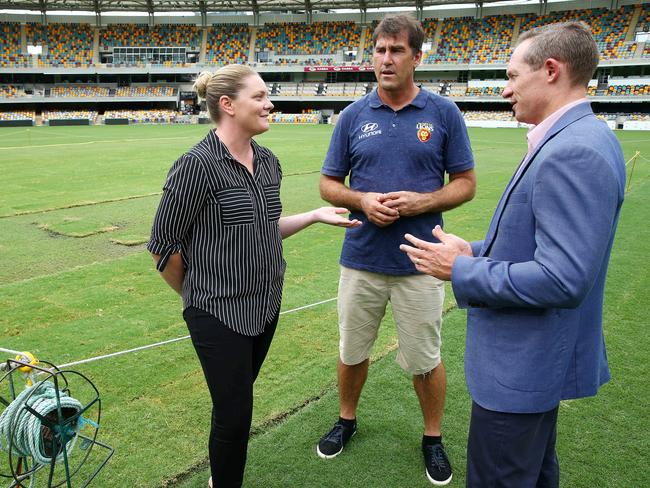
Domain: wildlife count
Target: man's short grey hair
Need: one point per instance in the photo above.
(568, 42)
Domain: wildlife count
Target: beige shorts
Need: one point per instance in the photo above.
(417, 302)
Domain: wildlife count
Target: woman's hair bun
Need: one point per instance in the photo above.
(201, 83)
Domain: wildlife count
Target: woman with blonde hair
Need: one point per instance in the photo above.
(217, 241)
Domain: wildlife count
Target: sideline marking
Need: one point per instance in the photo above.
(77, 205)
(3, 134)
(119, 199)
(107, 141)
(170, 341)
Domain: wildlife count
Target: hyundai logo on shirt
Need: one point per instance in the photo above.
(369, 129)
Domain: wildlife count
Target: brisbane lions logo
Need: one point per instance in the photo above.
(424, 130)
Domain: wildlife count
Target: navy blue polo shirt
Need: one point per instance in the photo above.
(382, 150)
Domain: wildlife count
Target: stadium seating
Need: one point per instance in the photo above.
(10, 55)
(429, 26)
(350, 89)
(643, 25)
(304, 118)
(144, 91)
(320, 61)
(298, 38)
(289, 89)
(227, 43)
(461, 40)
(484, 91)
(79, 91)
(493, 39)
(65, 45)
(92, 91)
(453, 46)
(307, 89)
(432, 86)
(368, 48)
(141, 35)
(609, 27)
(456, 89)
(70, 115)
(161, 116)
(18, 115)
(353, 89)
(628, 90)
(606, 117)
(489, 115)
(11, 91)
(467, 40)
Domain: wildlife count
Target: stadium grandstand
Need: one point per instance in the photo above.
(94, 67)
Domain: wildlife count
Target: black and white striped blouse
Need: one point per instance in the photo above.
(224, 222)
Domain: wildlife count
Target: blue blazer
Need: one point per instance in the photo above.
(534, 288)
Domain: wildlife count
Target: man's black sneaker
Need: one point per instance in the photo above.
(331, 444)
(437, 464)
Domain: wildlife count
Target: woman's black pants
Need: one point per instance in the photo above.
(230, 362)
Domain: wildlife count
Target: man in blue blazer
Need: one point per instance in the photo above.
(534, 286)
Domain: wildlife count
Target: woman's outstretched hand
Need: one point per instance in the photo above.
(334, 216)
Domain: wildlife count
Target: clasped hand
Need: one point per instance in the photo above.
(382, 209)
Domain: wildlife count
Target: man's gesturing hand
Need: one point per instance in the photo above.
(436, 259)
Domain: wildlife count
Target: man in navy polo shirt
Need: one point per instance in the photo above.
(395, 144)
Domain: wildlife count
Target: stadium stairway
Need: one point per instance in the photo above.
(515, 30)
(631, 32)
(363, 40)
(629, 37)
(96, 46)
(204, 43)
(23, 39)
(251, 46)
(436, 38)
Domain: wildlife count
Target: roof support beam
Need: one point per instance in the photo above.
(543, 7)
(308, 11)
(257, 6)
(150, 12)
(98, 13)
(43, 8)
(204, 13)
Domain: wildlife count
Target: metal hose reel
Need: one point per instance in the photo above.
(49, 424)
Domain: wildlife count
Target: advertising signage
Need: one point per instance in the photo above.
(338, 68)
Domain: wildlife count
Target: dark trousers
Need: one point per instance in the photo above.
(512, 450)
(230, 362)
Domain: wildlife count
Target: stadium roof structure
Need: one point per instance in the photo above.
(206, 6)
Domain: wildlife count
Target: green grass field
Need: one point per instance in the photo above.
(76, 282)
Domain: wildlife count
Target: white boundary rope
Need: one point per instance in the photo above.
(637, 155)
(169, 341)
(11, 351)
(640, 156)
